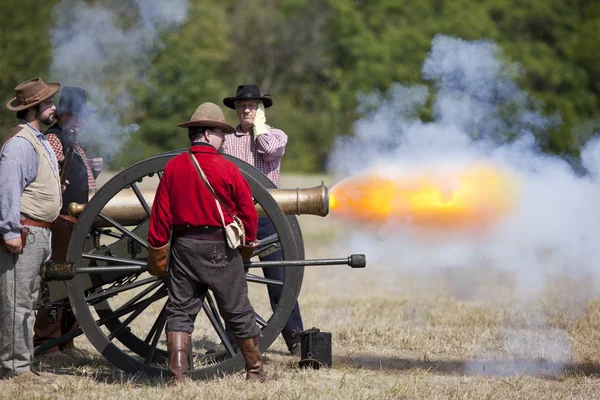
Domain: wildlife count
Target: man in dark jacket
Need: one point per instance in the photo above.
(80, 173)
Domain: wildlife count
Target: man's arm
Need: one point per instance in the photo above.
(161, 219)
(18, 168)
(242, 197)
(271, 145)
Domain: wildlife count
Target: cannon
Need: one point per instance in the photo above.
(120, 307)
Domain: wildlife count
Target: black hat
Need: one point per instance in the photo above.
(73, 100)
(248, 92)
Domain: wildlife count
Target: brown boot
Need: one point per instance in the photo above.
(177, 347)
(251, 352)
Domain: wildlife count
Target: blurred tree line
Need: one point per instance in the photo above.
(315, 56)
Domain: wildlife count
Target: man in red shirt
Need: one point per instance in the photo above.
(185, 210)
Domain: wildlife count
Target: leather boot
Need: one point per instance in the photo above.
(251, 352)
(177, 347)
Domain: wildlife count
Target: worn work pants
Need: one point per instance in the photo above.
(265, 229)
(198, 265)
(19, 290)
(46, 326)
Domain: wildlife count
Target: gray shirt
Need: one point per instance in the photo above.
(19, 165)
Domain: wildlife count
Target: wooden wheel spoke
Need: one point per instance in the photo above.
(155, 333)
(156, 326)
(120, 289)
(211, 303)
(266, 281)
(218, 328)
(126, 261)
(141, 198)
(140, 295)
(110, 233)
(123, 230)
(141, 306)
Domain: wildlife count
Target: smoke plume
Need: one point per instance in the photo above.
(108, 52)
(480, 115)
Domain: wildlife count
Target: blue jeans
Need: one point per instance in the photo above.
(265, 229)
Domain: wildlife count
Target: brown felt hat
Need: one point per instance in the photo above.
(31, 93)
(208, 115)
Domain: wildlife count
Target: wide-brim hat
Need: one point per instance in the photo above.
(73, 100)
(31, 93)
(248, 92)
(208, 115)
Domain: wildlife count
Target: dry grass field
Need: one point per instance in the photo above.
(396, 335)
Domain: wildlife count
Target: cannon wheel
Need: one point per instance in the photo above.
(144, 353)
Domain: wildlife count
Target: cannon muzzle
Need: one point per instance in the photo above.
(126, 209)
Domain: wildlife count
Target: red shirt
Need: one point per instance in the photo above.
(183, 199)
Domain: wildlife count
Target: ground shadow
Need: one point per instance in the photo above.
(97, 368)
(538, 368)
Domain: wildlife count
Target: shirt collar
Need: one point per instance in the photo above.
(238, 131)
(37, 133)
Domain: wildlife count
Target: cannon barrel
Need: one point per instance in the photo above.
(126, 208)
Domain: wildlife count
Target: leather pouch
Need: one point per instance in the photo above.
(24, 233)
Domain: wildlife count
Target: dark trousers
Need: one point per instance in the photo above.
(198, 265)
(62, 321)
(266, 229)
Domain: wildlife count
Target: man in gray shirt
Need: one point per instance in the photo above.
(30, 200)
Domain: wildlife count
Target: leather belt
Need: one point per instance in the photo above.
(199, 232)
(33, 222)
(68, 217)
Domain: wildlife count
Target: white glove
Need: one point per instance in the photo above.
(260, 121)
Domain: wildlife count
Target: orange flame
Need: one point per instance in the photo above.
(475, 196)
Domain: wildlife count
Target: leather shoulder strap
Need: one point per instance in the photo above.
(204, 179)
(12, 133)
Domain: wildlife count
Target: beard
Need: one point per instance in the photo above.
(49, 120)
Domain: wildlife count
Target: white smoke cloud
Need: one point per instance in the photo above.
(480, 114)
(95, 49)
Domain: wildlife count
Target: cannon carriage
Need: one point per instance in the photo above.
(120, 307)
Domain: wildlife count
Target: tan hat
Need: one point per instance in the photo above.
(209, 115)
(31, 93)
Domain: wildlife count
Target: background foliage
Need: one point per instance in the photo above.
(316, 56)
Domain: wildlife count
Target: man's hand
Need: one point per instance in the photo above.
(248, 249)
(14, 245)
(260, 120)
(63, 187)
